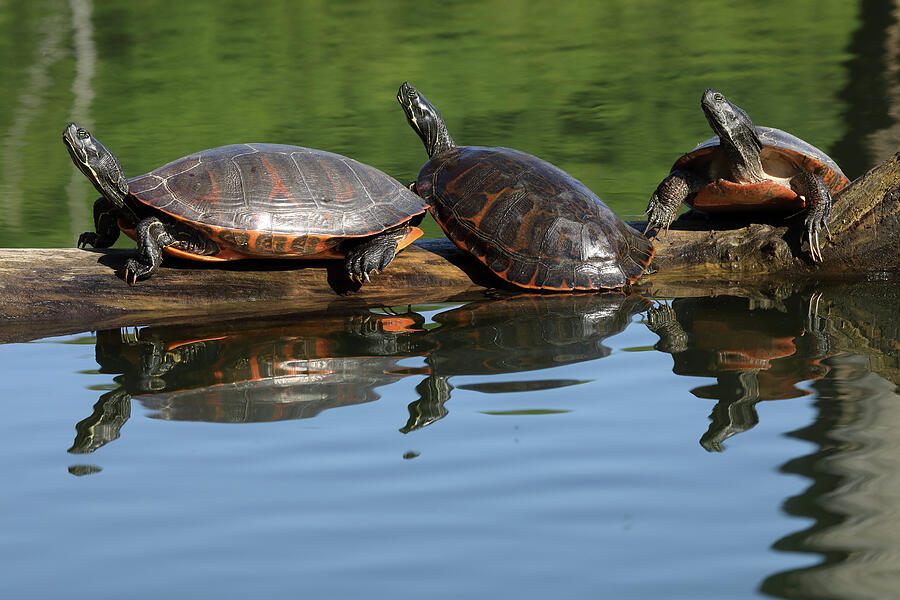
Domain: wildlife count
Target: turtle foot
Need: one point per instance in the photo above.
(660, 215)
(88, 238)
(135, 270)
(370, 258)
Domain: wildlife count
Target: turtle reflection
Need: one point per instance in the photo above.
(521, 333)
(755, 353)
(248, 372)
(263, 371)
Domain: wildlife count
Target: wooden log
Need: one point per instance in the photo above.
(66, 290)
(55, 291)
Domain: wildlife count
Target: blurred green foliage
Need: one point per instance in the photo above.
(609, 91)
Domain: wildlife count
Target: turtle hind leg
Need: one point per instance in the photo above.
(106, 224)
(152, 237)
(374, 254)
(669, 194)
(818, 198)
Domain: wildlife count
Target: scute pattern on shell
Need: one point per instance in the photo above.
(279, 190)
(530, 222)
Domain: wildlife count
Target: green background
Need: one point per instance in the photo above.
(609, 91)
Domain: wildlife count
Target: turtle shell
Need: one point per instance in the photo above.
(265, 200)
(783, 156)
(530, 222)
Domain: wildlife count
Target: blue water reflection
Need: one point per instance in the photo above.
(546, 442)
(296, 367)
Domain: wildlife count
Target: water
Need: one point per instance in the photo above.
(574, 446)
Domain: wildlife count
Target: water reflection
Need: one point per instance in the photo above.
(846, 343)
(521, 333)
(853, 491)
(248, 372)
(761, 350)
(854, 472)
(842, 345)
(754, 351)
(264, 371)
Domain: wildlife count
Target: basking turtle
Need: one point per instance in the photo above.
(749, 168)
(528, 221)
(249, 201)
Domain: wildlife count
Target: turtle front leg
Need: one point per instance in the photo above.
(106, 224)
(669, 194)
(817, 196)
(152, 237)
(374, 254)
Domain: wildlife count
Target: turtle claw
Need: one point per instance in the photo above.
(660, 215)
(363, 263)
(134, 270)
(812, 246)
(87, 239)
(358, 275)
(354, 270)
(813, 225)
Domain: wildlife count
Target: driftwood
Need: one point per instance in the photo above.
(56, 291)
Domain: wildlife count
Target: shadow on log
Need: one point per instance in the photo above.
(58, 291)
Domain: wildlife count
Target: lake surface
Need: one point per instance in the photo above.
(589, 445)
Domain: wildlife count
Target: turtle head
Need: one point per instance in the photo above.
(97, 163)
(736, 132)
(425, 119)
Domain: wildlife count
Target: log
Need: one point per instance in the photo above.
(58, 291)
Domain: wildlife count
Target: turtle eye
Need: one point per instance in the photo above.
(413, 94)
(82, 133)
(718, 97)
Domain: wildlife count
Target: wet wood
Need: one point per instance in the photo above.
(56, 291)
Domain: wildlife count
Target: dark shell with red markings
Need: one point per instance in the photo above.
(783, 155)
(276, 200)
(530, 222)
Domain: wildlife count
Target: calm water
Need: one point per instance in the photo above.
(529, 446)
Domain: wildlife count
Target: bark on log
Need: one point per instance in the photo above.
(56, 291)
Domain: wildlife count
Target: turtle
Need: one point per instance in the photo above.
(250, 200)
(748, 168)
(528, 221)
